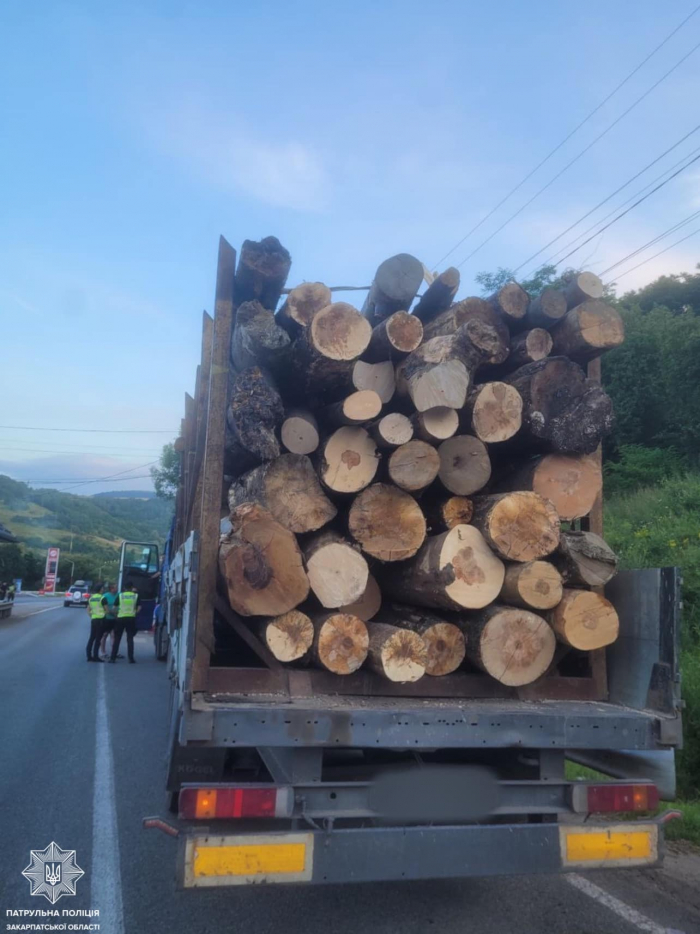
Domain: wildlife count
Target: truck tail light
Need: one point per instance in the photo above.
(225, 802)
(612, 796)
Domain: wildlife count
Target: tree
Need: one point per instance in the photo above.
(545, 277)
(166, 476)
(679, 293)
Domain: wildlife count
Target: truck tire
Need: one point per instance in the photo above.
(161, 643)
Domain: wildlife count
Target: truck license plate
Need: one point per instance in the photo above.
(618, 845)
(248, 859)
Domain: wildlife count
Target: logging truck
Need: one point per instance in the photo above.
(348, 703)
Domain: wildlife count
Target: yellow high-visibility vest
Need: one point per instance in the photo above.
(127, 604)
(97, 611)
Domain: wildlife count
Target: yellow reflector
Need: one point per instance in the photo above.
(236, 860)
(618, 845)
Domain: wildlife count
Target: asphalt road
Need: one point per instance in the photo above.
(48, 701)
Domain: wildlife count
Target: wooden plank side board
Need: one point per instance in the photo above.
(213, 464)
(202, 400)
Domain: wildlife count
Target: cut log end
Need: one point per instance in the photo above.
(536, 584)
(290, 636)
(512, 301)
(341, 642)
(584, 559)
(299, 433)
(588, 330)
(378, 377)
(519, 526)
(339, 332)
(397, 654)
(478, 573)
(436, 424)
(387, 523)
(393, 430)
(585, 620)
(496, 412)
(464, 465)
(337, 572)
(571, 483)
(303, 304)
(457, 510)
(414, 466)
(349, 461)
(514, 646)
(582, 287)
(394, 338)
(369, 603)
(445, 649)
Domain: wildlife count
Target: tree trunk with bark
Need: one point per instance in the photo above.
(254, 412)
(536, 585)
(585, 620)
(262, 272)
(514, 646)
(434, 375)
(587, 331)
(302, 305)
(585, 560)
(518, 526)
(397, 654)
(395, 284)
(546, 309)
(387, 523)
(438, 296)
(257, 339)
(394, 338)
(324, 353)
(337, 571)
(472, 309)
(583, 287)
(511, 301)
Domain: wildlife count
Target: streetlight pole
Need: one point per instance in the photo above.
(72, 568)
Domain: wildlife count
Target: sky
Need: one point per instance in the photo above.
(133, 134)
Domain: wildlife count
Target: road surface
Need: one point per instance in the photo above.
(66, 724)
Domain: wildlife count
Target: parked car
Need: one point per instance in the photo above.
(76, 595)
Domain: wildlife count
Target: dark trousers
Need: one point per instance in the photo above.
(93, 643)
(124, 624)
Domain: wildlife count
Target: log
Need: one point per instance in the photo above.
(414, 466)
(336, 570)
(511, 301)
(585, 620)
(472, 309)
(587, 331)
(464, 465)
(289, 636)
(546, 309)
(341, 641)
(514, 646)
(535, 585)
(493, 411)
(261, 563)
(571, 482)
(369, 603)
(262, 272)
(257, 339)
(443, 513)
(454, 570)
(301, 306)
(392, 430)
(324, 352)
(356, 409)
(394, 338)
(562, 409)
(435, 425)
(581, 288)
(585, 560)
(299, 432)
(396, 654)
(518, 526)
(254, 412)
(527, 347)
(395, 284)
(349, 460)
(290, 491)
(434, 375)
(387, 523)
(438, 296)
(443, 640)
(379, 377)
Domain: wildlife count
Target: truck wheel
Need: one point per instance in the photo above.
(161, 643)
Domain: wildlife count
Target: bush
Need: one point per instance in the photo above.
(638, 467)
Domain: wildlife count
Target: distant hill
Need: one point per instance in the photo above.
(126, 494)
(87, 529)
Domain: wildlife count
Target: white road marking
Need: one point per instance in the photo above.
(631, 915)
(106, 879)
(37, 612)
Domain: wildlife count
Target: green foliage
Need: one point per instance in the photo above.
(679, 293)
(166, 476)
(16, 561)
(638, 466)
(545, 277)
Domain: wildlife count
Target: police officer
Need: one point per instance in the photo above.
(127, 605)
(97, 612)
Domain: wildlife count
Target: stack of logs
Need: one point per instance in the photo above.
(404, 481)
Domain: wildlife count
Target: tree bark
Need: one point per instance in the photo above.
(341, 641)
(395, 284)
(348, 461)
(257, 339)
(546, 309)
(493, 412)
(535, 585)
(289, 489)
(518, 526)
(438, 296)
(414, 466)
(514, 646)
(446, 513)
(261, 564)
(378, 377)
(369, 603)
(397, 654)
(571, 482)
(443, 640)
(262, 272)
(392, 430)
(356, 409)
(472, 309)
(464, 465)
(562, 410)
(587, 331)
(337, 571)
(394, 338)
(585, 620)
(435, 425)
(454, 570)
(299, 432)
(387, 523)
(585, 560)
(289, 636)
(511, 301)
(527, 347)
(301, 306)
(254, 412)
(581, 288)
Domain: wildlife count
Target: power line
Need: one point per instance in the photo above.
(110, 477)
(83, 482)
(644, 262)
(567, 138)
(673, 229)
(605, 200)
(109, 431)
(577, 157)
(115, 453)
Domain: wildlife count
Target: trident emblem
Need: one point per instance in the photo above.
(52, 873)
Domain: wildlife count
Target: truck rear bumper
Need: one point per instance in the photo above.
(393, 853)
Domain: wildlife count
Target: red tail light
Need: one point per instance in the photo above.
(224, 802)
(611, 796)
